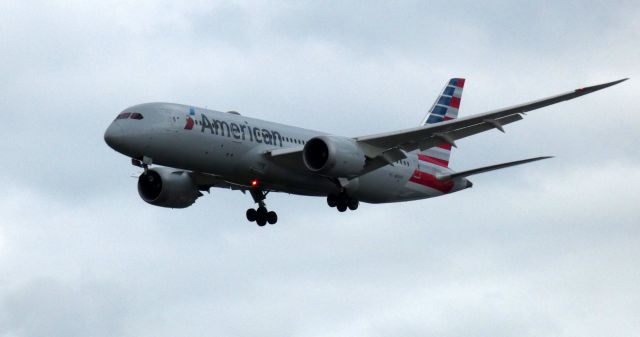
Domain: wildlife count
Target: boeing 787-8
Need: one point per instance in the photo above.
(196, 149)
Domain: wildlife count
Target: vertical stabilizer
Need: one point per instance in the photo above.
(443, 109)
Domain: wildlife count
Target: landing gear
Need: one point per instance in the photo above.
(353, 204)
(342, 201)
(261, 215)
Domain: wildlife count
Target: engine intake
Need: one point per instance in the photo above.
(333, 156)
(167, 188)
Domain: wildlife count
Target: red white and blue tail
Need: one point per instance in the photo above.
(445, 108)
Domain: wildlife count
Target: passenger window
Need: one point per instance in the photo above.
(136, 115)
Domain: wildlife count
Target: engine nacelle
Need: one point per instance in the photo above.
(333, 156)
(166, 187)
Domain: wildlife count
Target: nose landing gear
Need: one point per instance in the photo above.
(342, 201)
(261, 215)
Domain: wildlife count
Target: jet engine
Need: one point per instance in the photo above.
(166, 187)
(333, 156)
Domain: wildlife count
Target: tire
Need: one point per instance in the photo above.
(342, 202)
(332, 200)
(272, 217)
(261, 213)
(353, 204)
(252, 214)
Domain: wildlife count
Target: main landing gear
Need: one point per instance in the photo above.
(342, 201)
(261, 215)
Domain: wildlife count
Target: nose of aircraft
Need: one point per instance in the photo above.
(113, 135)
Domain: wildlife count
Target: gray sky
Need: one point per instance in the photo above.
(547, 249)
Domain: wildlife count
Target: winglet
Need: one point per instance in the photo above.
(587, 90)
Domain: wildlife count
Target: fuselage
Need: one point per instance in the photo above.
(233, 147)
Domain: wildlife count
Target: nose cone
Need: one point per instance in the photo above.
(113, 136)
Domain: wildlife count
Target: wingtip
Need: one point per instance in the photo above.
(619, 81)
(597, 87)
(541, 158)
(615, 82)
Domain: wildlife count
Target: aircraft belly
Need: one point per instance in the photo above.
(384, 185)
(284, 179)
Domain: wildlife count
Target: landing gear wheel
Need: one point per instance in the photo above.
(342, 202)
(261, 215)
(252, 215)
(332, 200)
(353, 204)
(272, 217)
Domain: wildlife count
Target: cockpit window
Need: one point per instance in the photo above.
(132, 115)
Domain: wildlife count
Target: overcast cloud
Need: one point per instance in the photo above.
(546, 249)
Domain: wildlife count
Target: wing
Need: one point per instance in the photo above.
(205, 181)
(428, 136)
(385, 148)
(290, 157)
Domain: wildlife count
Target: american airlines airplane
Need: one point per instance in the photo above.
(197, 149)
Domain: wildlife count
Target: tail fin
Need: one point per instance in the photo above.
(443, 109)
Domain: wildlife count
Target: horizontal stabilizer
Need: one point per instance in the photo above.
(488, 168)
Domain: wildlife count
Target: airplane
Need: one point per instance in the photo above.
(197, 149)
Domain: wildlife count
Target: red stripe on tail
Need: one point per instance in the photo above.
(432, 160)
(455, 102)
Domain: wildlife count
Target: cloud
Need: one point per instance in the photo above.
(46, 307)
(547, 248)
